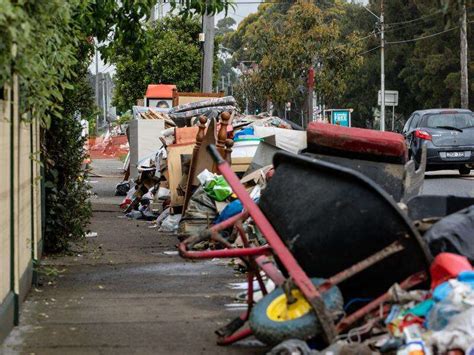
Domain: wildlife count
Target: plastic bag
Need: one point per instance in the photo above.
(459, 298)
(121, 189)
(163, 193)
(205, 176)
(170, 224)
(458, 334)
(218, 189)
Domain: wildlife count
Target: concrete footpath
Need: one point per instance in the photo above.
(120, 293)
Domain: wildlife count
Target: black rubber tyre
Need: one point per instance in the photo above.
(464, 170)
(272, 332)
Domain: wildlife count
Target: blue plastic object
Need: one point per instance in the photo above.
(230, 210)
(467, 277)
(248, 131)
(443, 290)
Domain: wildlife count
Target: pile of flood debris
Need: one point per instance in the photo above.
(343, 254)
(177, 185)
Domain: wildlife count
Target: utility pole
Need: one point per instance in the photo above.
(382, 67)
(96, 86)
(310, 94)
(208, 56)
(104, 97)
(382, 62)
(464, 71)
(229, 91)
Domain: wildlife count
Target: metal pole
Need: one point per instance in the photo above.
(382, 68)
(393, 118)
(223, 83)
(464, 70)
(208, 30)
(96, 86)
(106, 121)
(310, 94)
(103, 101)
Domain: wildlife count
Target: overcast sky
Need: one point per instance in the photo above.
(242, 9)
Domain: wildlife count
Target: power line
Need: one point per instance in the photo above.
(424, 37)
(414, 20)
(409, 23)
(368, 51)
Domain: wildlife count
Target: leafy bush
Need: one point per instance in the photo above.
(67, 206)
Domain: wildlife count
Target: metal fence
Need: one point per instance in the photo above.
(20, 206)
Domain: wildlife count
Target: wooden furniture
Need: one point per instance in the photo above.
(175, 171)
(180, 98)
(201, 159)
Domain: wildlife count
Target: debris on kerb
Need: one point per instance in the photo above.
(168, 166)
(341, 206)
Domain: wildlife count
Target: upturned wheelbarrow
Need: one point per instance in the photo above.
(333, 236)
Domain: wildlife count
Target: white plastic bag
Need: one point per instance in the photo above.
(170, 224)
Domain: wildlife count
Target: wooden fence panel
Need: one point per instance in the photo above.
(20, 206)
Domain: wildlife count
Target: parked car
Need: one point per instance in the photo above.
(448, 134)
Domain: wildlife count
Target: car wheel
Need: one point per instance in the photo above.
(464, 170)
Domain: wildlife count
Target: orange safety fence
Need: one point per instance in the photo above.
(106, 147)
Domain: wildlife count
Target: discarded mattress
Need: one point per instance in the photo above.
(217, 102)
(200, 111)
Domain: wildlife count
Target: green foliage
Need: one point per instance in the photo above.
(425, 72)
(172, 57)
(48, 45)
(67, 206)
(284, 41)
(188, 8)
(225, 26)
(125, 118)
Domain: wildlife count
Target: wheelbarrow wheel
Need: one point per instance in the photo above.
(272, 320)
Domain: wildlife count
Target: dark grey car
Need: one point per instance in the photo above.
(448, 134)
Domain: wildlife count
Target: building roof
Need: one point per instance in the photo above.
(160, 91)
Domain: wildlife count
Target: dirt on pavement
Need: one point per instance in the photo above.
(120, 293)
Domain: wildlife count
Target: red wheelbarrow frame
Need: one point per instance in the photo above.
(256, 259)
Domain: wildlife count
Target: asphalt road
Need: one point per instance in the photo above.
(448, 182)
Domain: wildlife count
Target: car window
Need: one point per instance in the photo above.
(458, 120)
(415, 121)
(407, 124)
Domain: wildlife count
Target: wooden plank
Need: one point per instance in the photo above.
(175, 173)
(5, 195)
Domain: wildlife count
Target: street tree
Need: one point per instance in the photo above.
(172, 56)
(278, 45)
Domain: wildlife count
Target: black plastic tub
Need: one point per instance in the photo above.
(332, 217)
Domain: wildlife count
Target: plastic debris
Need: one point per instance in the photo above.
(170, 223)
